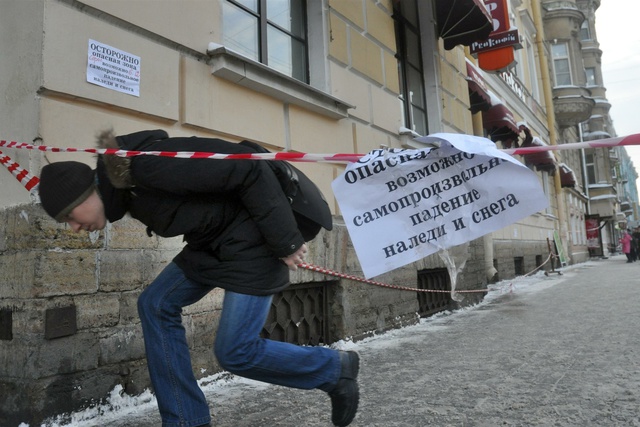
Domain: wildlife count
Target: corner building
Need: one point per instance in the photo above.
(325, 76)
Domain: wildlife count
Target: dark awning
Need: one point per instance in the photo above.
(499, 122)
(567, 176)
(479, 97)
(462, 22)
(543, 160)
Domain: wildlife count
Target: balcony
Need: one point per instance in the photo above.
(572, 105)
(603, 200)
(626, 207)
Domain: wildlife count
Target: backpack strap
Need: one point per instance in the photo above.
(307, 202)
(286, 174)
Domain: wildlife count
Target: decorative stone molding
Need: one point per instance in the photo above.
(572, 105)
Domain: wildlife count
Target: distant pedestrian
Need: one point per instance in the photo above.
(625, 241)
(635, 243)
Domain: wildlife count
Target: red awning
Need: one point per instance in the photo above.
(462, 22)
(499, 122)
(567, 176)
(543, 160)
(479, 97)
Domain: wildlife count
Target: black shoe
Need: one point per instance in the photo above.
(345, 395)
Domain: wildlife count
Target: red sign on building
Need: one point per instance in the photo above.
(496, 53)
(593, 233)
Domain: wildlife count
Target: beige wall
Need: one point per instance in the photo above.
(178, 92)
(20, 71)
(191, 23)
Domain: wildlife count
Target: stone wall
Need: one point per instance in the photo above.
(70, 326)
(69, 329)
(529, 251)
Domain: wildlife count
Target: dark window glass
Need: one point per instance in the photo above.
(410, 65)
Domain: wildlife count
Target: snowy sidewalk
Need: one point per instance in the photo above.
(562, 350)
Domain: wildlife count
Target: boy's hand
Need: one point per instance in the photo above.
(295, 258)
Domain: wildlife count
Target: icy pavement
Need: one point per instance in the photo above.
(561, 350)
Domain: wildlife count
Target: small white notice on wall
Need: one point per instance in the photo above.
(113, 68)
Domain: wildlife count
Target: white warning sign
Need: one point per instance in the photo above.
(113, 68)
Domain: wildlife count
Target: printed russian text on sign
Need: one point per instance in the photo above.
(403, 205)
(113, 68)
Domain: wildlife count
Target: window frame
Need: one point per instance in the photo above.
(591, 169)
(546, 188)
(264, 24)
(431, 64)
(556, 60)
(585, 30)
(314, 96)
(408, 65)
(533, 69)
(591, 70)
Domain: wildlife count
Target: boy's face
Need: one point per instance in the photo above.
(88, 215)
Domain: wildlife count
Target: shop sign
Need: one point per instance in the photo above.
(511, 81)
(498, 58)
(496, 41)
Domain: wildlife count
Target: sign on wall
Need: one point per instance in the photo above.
(496, 53)
(400, 206)
(593, 233)
(113, 68)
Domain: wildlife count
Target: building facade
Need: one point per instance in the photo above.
(326, 76)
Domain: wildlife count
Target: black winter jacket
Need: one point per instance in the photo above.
(234, 217)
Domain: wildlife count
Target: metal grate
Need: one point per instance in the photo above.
(298, 315)
(433, 302)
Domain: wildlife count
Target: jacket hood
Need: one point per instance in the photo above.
(118, 168)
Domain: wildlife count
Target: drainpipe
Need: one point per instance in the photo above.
(585, 178)
(487, 240)
(551, 116)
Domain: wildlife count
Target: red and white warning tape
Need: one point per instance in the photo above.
(29, 181)
(284, 155)
(599, 143)
(306, 157)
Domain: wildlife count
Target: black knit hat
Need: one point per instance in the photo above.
(63, 186)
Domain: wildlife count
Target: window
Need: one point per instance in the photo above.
(591, 76)
(560, 54)
(590, 165)
(578, 230)
(410, 64)
(272, 32)
(518, 265)
(518, 54)
(547, 191)
(585, 33)
(533, 71)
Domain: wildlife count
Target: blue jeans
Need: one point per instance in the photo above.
(238, 348)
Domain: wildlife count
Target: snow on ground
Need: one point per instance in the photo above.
(119, 405)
